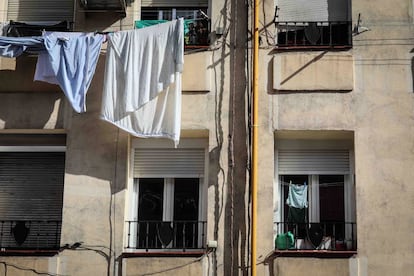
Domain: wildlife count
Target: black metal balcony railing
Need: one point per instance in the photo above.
(331, 236)
(325, 34)
(30, 235)
(171, 235)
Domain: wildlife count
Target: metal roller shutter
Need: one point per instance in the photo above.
(313, 161)
(31, 198)
(312, 10)
(40, 11)
(185, 162)
(31, 185)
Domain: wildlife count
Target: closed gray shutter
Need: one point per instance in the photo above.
(313, 161)
(178, 3)
(31, 185)
(31, 196)
(40, 11)
(184, 162)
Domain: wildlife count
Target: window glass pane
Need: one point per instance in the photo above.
(295, 179)
(186, 198)
(298, 228)
(150, 210)
(186, 211)
(331, 202)
(150, 198)
(149, 14)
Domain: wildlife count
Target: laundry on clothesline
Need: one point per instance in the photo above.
(142, 83)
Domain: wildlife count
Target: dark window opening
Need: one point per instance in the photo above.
(327, 34)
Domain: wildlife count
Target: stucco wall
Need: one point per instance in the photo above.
(378, 110)
(163, 266)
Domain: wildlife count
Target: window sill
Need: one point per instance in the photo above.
(315, 253)
(312, 48)
(197, 253)
(29, 252)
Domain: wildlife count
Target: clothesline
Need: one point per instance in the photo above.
(283, 183)
(142, 80)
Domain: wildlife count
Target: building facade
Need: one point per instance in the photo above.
(79, 196)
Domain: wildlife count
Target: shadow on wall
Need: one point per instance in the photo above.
(20, 110)
(19, 77)
(96, 148)
(26, 104)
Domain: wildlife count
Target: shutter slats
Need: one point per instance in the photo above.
(303, 10)
(315, 10)
(313, 161)
(169, 162)
(31, 185)
(40, 11)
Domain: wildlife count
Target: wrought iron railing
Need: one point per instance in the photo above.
(331, 236)
(316, 34)
(168, 235)
(30, 234)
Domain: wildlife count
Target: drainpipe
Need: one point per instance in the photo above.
(255, 106)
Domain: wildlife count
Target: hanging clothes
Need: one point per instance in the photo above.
(297, 196)
(70, 61)
(142, 83)
(12, 47)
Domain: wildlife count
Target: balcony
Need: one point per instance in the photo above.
(175, 236)
(315, 239)
(317, 34)
(196, 31)
(29, 235)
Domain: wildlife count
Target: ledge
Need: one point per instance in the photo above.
(29, 252)
(164, 254)
(314, 253)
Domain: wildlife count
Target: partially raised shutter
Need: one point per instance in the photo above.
(178, 3)
(303, 10)
(166, 162)
(313, 161)
(40, 11)
(312, 10)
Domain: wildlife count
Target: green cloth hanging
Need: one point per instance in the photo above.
(146, 23)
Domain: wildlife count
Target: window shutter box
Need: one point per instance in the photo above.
(165, 162)
(313, 161)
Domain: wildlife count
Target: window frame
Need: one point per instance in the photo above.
(313, 31)
(133, 193)
(314, 200)
(313, 209)
(199, 25)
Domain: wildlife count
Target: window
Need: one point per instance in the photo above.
(315, 191)
(167, 197)
(313, 24)
(31, 193)
(196, 20)
(30, 18)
